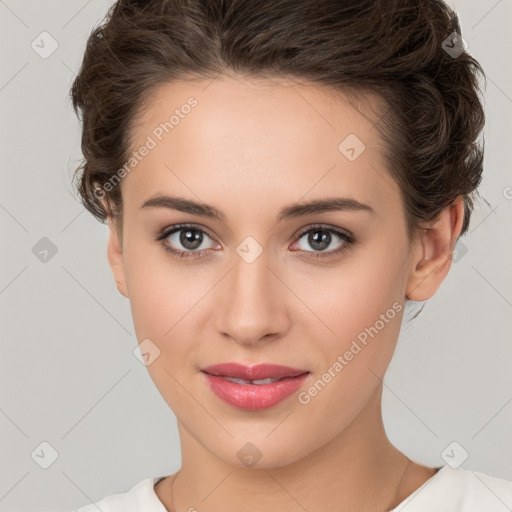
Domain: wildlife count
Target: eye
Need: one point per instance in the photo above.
(320, 238)
(192, 239)
(189, 241)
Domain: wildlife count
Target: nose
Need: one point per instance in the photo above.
(252, 303)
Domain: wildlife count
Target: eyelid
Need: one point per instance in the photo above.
(326, 227)
(164, 233)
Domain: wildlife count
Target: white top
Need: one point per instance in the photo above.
(449, 490)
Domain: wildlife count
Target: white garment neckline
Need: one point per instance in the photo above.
(159, 506)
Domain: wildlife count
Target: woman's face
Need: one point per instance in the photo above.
(318, 291)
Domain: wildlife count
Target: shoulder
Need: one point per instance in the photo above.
(141, 497)
(460, 489)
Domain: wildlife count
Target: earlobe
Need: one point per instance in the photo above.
(115, 258)
(432, 254)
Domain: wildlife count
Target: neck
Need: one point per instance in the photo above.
(357, 470)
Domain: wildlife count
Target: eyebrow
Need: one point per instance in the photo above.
(329, 204)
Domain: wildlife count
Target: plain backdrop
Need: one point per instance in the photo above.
(72, 394)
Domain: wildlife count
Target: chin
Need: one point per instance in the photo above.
(259, 453)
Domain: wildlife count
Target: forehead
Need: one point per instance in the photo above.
(260, 135)
(230, 103)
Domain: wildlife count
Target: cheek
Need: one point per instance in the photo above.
(362, 305)
(161, 293)
(162, 301)
(167, 303)
(353, 297)
(151, 305)
(156, 296)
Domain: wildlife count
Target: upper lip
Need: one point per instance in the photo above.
(256, 372)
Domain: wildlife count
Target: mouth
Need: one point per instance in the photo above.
(257, 373)
(257, 382)
(253, 387)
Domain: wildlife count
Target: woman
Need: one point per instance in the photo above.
(280, 179)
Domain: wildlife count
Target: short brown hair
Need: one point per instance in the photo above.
(397, 49)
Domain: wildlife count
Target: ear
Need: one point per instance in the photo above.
(115, 257)
(432, 253)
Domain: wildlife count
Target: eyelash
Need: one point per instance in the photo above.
(346, 237)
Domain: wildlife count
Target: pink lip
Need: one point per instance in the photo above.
(253, 397)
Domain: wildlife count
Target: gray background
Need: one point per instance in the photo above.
(68, 373)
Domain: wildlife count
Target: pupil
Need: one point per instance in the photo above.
(191, 238)
(323, 240)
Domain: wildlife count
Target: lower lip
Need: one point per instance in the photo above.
(253, 397)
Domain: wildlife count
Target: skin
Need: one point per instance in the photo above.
(249, 148)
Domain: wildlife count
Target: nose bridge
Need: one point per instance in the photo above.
(252, 306)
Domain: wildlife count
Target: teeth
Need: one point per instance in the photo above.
(265, 381)
(257, 381)
(238, 381)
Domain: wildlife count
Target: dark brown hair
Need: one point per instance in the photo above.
(405, 51)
